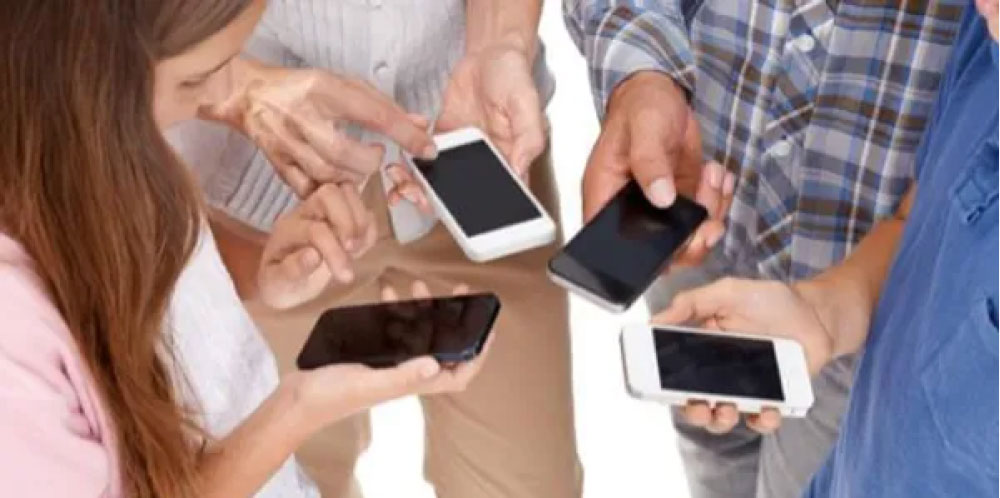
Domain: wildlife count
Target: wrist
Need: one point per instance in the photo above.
(300, 419)
(838, 309)
(646, 78)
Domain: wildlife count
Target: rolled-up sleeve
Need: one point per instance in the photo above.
(621, 37)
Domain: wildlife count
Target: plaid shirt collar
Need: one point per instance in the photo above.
(818, 106)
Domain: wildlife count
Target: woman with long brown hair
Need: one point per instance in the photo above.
(128, 366)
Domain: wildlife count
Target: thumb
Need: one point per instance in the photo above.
(653, 155)
(699, 304)
(406, 378)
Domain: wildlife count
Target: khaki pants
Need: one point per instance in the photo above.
(510, 434)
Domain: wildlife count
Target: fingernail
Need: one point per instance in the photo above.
(345, 275)
(429, 369)
(715, 175)
(430, 152)
(310, 259)
(411, 196)
(713, 239)
(728, 183)
(662, 193)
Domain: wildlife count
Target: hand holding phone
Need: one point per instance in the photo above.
(702, 368)
(771, 309)
(619, 253)
(451, 329)
(483, 203)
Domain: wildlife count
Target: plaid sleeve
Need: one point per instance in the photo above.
(621, 37)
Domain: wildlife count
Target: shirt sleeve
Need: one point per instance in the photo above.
(48, 445)
(621, 37)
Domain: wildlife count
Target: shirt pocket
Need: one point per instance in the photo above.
(959, 382)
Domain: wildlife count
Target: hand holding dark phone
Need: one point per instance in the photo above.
(616, 256)
(452, 329)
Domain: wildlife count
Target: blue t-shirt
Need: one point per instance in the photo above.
(922, 417)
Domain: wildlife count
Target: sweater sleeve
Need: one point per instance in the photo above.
(51, 441)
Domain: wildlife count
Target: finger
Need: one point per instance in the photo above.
(419, 120)
(290, 142)
(709, 193)
(697, 413)
(336, 259)
(300, 263)
(363, 104)
(527, 127)
(725, 417)
(654, 150)
(352, 159)
(329, 199)
(420, 290)
(406, 378)
(460, 290)
(294, 177)
(359, 213)
(389, 294)
(701, 303)
(766, 422)
(406, 186)
(607, 171)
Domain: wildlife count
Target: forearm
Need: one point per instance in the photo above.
(242, 462)
(240, 247)
(509, 22)
(845, 296)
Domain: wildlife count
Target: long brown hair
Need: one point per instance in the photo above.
(96, 196)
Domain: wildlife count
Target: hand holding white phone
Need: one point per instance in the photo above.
(487, 208)
(677, 365)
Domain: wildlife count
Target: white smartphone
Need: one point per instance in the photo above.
(482, 202)
(677, 364)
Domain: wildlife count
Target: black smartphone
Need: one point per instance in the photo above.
(615, 257)
(452, 329)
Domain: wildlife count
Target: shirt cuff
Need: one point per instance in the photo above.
(627, 42)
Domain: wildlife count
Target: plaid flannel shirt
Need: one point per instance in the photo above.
(816, 105)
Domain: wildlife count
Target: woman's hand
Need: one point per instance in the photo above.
(758, 307)
(331, 393)
(298, 119)
(315, 244)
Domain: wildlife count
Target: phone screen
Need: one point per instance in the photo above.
(452, 329)
(477, 189)
(713, 364)
(622, 250)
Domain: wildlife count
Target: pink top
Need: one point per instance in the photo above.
(54, 435)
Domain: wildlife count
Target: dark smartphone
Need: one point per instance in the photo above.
(452, 329)
(615, 257)
(717, 364)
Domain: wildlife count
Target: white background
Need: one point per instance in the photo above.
(628, 447)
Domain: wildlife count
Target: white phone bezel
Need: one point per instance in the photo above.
(643, 380)
(502, 241)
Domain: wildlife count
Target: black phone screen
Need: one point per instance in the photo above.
(622, 250)
(452, 329)
(477, 189)
(712, 364)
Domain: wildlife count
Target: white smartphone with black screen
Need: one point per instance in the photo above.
(675, 365)
(486, 207)
(617, 255)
